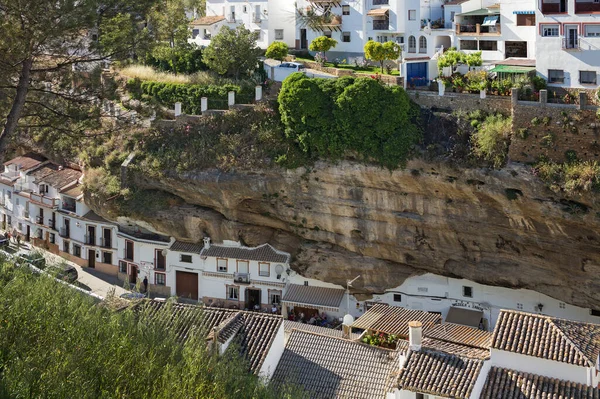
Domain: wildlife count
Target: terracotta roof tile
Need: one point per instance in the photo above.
(227, 328)
(26, 161)
(546, 337)
(55, 175)
(460, 334)
(394, 319)
(190, 247)
(312, 295)
(456, 349)
(262, 253)
(73, 191)
(508, 384)
(328, 367)
(289, 325)
(209, 20)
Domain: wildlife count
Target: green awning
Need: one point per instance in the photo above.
(511, 69)
(483, 11)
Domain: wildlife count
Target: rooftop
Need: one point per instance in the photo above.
(289, 325)
(208, 20)
(328, 367)
(462, 335)
(256, 332)
(547, 337)
(322, 297)
(27, 161)
(74, 191)
(94, 217)
(262, 253)
(456, 349)
(142, 234)
(190, 247)
(394, 319)
(55, 175)
(508, 384)
(524, 62)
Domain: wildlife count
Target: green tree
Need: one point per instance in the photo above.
(492, 139)
(382, 52)
(232, 52)
(322, 44)
(277, 51)
(169, 22)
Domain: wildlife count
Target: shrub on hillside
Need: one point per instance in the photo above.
(186, 59)
(571, 177)
(491, 140)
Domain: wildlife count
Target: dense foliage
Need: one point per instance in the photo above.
(58, 343)
(492, 139)
(185, 59)
(233, 52)
(381, 52)
(453, 57)
(572, 177)
(277, 51)
(322, 44)
(334, 118)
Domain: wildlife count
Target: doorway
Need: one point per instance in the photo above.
(4, 222)
(252, 298)
(91, 258)
(67, 232)
(28, 234)
(186, 285)
(133, 272)
(303, 41)
(91, 235)
(571, 36)
(562, 6)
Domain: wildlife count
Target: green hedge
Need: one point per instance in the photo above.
(189, 95)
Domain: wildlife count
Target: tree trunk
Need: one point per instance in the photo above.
(12, 120)
(382, 66)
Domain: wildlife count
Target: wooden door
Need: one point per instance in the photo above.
(186, 285)
(133, 271)
(91, 258)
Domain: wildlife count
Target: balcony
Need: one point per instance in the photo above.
(478, 30)
(383, 24)
(326, 3)
(555, 8)
(570, 43)
(39, 220)
(381, 2)
(26, 214)
(231, 18)
(105, 242)
(241, 278)
(64, 232)
(256, 18)
(43, 200)
(90, 240)
(52, 224)
(586, 8)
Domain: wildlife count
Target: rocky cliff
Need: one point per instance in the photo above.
(494, 227)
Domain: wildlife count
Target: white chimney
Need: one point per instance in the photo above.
(347, 326)
(206, 242)
(415, 335)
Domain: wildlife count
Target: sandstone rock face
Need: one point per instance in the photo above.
(494, 227)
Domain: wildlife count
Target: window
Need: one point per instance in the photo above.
(160, 278)
(346, 37)
(587, 77)
(77, 250)
(264, 269)
(275, 297)
(422, 44)
(278, 34)
(20, 226)
(52, 238)
(550, 30)
(419, 396)
(242, 266)
(345, 10)
(233, 292)
(591, 30)
(9, 220)
(556, 76)
(397, 297)
(195, 33)
(488, 45)
(245, 9)
(122, 267)
(595, 312)
(258, 32)
(327, 34)
(467, 291)
(107, 257)
(525, 19)
(9, 194)
(520, 306)
(412, 15)
(159, 259)
(412, 44)
(17, 201)
(468, 44)
(222, 265)
(561, 305)
(66, 246)
(185, 258)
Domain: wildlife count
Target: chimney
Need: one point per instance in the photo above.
(206, 242)
(415, 335)
(347, 326)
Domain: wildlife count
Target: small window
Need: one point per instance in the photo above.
(17, 201)
(66, 246)
(278, 34)
(243, 266)
(412, 44)
(525, 19)
(77, 250)
(9, 220)
(275, 297)
(520, 306)
(264, 269)
(467, 291)
(419, 396)
(346, 37)
(397, 297)
(561, 305)
(9, 194)
(587, 77)
(20, 226)
(550, 30)
(345, 10)
(591, 30)
(222, 265)
(233, 292)
(52, 238)
(107, 257)
(327, 34)
(556, 76)
(195, 33)
(185, 258)
(412, 15)
(122, 267)
(245, 9)
(595, 312)
(160, 278)
(422, 44)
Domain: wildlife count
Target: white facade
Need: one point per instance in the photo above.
(274, 355)
(138, 255)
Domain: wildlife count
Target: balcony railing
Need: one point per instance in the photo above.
(52, 224)
(39, 219)
(128, 255)
(231, 18)
(105, 242)
(586, 8)
(554, 8)
(381, 25)
(42, 199)
(90, 240)
(64, 232)
(241, 278)
(256, 18)
(570, 44)
(26, 214)
(477, 30)
(71, 207)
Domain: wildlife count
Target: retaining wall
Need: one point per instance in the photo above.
(461, 101)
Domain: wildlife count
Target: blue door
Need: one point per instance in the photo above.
(416, 73)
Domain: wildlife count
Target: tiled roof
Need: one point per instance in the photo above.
(256, 335)
(228, 327)
(456, 349)
(289, 325)
(311, 295)
(460, 334)
(464, 316)
(455, 2)
(439, 373)
(26, 161)
(394, 319)
(262, 253)
(55, 175)
(74, 191)
(181, 246)
(328, 367)
(94, 217)
(546, 337)
(209, 20)
(508, 384)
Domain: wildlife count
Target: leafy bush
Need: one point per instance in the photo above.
(571, 177)
(491, 140)
(328, 118)
(185, 58)
(232, 52)
(476, 80)
(277, 51)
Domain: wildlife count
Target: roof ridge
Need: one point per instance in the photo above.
(590, 362)
(428, 349)
(344, 339)
(527, 373)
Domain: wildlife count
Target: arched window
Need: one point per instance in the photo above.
(412, 44)
(422, 44)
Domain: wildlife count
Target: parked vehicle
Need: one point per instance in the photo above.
(132, 295)
(32, 259)
(63, 272)
(296, 66)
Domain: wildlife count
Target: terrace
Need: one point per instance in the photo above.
(482, 22)
(554, 6)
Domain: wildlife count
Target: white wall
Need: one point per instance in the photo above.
(273, 356)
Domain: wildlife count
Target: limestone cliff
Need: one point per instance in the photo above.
(494, 227)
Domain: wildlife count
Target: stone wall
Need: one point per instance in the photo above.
(389, 79)
(461, 101)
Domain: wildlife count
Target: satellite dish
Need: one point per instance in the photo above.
(279, 270)
(348, 320)
(164, 252)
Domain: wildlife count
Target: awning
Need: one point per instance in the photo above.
(464, 316)
(524, 12)
(313, 297)
(511, 69)
(378, 12)
(483, 11)
(490, 21)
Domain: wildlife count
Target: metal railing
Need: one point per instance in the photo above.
(39, 219)
(64, 232)
(381, 25)
(89, 239)
(26, 214)
(570, 44)
(105, 242)
(242, 278)
(256, 18)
